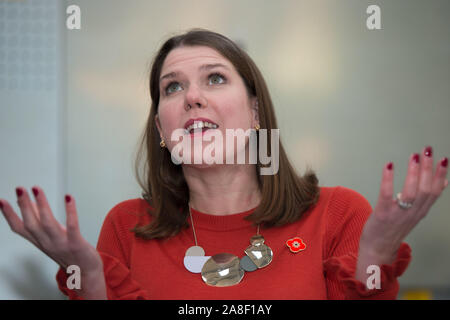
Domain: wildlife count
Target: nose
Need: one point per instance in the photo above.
(189, 106)
(194, 98)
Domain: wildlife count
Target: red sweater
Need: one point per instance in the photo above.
(154, 269)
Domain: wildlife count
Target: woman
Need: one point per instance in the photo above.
(226, 231)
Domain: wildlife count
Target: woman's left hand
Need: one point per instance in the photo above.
(389, 224)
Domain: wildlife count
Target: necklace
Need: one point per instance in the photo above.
(226, 269)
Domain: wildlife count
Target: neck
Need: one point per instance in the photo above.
(223, 189)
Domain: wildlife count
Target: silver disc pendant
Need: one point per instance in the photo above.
(260, 254)
(222, 270)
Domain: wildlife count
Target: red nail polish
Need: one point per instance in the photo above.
(444, 162)
(19, 192)
(68, 199)
(35, 191)
(390, 166)
(428, 151)
(416, 158)
(1, 205)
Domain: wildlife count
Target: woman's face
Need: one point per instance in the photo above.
(203, 84)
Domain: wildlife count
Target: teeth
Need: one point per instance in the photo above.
(201, 124)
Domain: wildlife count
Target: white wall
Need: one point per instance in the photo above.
(32, 135)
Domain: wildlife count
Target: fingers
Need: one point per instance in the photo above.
(73, 229)
(386, 188)
(438, 185)
(422, 186)
(48, 222)
(15, 223)
(40, 227)
(409, 191)
(30, 219)
(425, 177)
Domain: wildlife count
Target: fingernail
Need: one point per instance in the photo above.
(390, 166)
(416, 158)
(68, 198)
(35, 191)
(19, 192)
(1, 205)
(428, 151)
(444, 162)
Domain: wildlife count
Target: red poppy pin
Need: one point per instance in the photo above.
(296, 244)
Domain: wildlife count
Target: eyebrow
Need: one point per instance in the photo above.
(202, 67)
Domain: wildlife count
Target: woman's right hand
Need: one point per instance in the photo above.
(64, 245)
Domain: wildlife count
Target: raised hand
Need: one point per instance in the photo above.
(64, 245)
(389, 224)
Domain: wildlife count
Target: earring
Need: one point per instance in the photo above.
(257, 127)
(162, 143)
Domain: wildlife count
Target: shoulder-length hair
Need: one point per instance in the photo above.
(285, 195)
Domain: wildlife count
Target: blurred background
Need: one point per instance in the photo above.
(73, 103)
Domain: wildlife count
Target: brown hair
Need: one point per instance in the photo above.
(285, 195)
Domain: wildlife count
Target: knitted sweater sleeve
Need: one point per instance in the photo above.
(113, 247)
(347, 213)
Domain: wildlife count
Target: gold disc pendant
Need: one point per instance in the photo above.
(222, 270)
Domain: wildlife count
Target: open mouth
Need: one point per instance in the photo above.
(200, 126)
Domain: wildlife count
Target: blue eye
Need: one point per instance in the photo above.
(217, 75)
(213, 76)
(169, 85)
